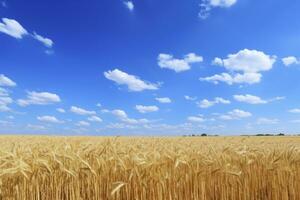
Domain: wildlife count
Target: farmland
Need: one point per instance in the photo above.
(44, 167)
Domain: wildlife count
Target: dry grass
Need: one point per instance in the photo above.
(233, 168)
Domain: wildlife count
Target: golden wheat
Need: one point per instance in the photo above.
(144, 168)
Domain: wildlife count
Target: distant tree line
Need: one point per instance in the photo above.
(280, 134)
(200, 135)
(260, 134)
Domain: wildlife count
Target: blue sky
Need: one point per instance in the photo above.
(149, 67)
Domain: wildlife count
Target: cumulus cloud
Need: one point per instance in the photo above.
(6, 82)
(122, 116)
(49, 119)
(189, 98)
(3, 92)
(244, 66)
(249, 78)
(206, 103)
(129, 5)
(119, 113)
(295, 121)
(81, 111)
(46, 41)
(5, 123)
(39, 98)
(35, 127)
(133, 83)
(4, 5)
(164, 100)
(217, 61)
(207, 5)
(10, 117)
(95, 119)
(294, 110)
(82, 123)
(266, 121)
(12, 28)
(104, 110)
(146, 109)
(290, 60)
(178, 65)
(5, 99)
(195, 119)
(61, 110)
(235, 114)
(120, 126)
(249, 61)
(4, 102)
(251, 99)
(99, 105)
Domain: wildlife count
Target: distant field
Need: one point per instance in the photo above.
(149, 168)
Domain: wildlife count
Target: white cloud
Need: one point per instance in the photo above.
(99, 105)
(134, 83)
(95, 119)
(251, 99)
(35, 127)
(82, 123)
(4, 5)
(249, 78)
(3, 92)
(290, 60)
(81, 111)
(129, 5)
(249, 61)
(61, 110)
(295, 110)
(5, 81)
(4, 102)
(46, 41)
(164, 100)
(105, 111)
(121, 115)
(120, 126)
(277, 98)
(49, 52)
(193, 58)
(235, 114)
(207, 5)
(222, 3)
(221, 100)
(266, 121)
(245, 67)
(50, 119)
(5, 123)
(178, 65)
(10, 117)
(206, 103)
(195, 119)
(146, 109)
(12, 28)
(217, 61)
(295, 121)
(39, 98)
(190, 98)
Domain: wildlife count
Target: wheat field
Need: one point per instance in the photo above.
(149, 168)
